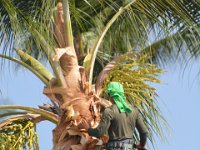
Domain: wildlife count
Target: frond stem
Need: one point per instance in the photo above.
(48, 115)
(26, 66)
(67, 24)
(99, 40)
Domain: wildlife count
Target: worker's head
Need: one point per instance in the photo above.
(114, 88)
(116, 91)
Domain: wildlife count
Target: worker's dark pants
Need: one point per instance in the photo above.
(120, 145)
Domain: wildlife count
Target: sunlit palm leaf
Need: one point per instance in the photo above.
(36, 65)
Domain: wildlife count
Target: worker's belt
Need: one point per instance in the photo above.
(123, 144)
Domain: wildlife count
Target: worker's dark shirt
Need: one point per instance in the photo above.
(120, 125)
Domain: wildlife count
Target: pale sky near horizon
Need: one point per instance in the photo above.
(179, 99)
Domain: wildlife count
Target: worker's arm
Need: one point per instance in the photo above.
(103, 125)
(142, 129)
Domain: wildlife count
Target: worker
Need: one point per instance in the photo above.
(119, 121)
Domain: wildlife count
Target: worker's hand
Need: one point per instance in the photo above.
(139, 147)
(104, 138)
(83, 130)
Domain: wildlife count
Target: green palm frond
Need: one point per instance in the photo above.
(130, 30)
(18, 19)
(11, 113)
(33, 65)
(165, 49)
(46, 114)
(67, 22)
(100, 38)
(133, 30)
(36, 65)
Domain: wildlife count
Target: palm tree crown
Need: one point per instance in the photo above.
(89, 43)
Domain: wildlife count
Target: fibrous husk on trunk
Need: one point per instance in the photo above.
(77, 100)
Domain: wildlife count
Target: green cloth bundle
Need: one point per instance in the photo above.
(116, 91)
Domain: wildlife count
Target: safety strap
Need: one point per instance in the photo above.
(119, 145)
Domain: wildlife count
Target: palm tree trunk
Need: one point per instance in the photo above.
(76, 100)
(76, 104)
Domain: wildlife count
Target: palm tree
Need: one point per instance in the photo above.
(110, 41)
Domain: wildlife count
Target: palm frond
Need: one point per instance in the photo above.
(16, 19)
(44, 75)
(36, 65)
(6, 114)
(46, 114)
(103, 74)
(133, 30)
(67, 23)
(180, 44)
(100, 38)
(139, 19)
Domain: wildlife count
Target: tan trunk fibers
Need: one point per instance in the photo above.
(77, 101)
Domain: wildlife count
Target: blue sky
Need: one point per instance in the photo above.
(179, 100)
